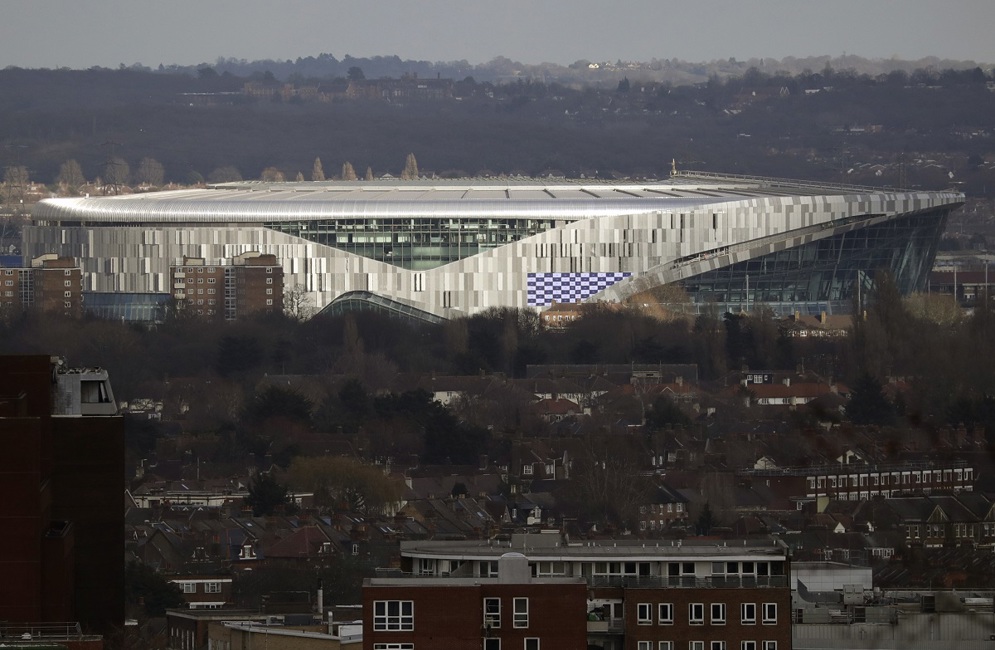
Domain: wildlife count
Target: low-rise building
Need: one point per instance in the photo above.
(511, 610)
(711, 595)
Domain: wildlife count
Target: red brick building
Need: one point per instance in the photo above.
(708, 619)
(513, 611)
(52, 284)
(248, 284)
(675, 595)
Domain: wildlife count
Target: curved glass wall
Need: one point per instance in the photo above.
(366, 301)
(827, 272)
(418, 243)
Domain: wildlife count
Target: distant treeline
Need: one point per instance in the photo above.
(926, 127)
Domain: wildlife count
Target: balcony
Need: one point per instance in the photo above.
(691, 582)
(606, 626)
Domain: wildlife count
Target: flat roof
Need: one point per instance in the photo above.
(449, 581)
(543, 549)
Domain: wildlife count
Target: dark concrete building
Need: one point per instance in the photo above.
(61, 518)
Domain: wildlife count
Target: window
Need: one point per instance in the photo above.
(212, 280)
(748, 613)
(718, 613)
(492, 613)
(212, 587)
(8, 272)
(269, 292)
(666, 645)
(200, 280)
(696, 614)
(644, 645)
(269, 280)
(696, 645)
(665, 612)
(747, 645)
(69, 283)
(718, 645)
(644, 614)
(68, 294)
(391, 615)
(492, 644)
(188, 587)
(269, 269)
(68, 304)
(532, 643)
(393, 646)
(269, 302)
(768, 645)
(520, 616)
(770, 614)
(10, 283)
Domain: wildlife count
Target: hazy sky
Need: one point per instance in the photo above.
(81, 34)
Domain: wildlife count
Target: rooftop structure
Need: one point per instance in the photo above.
(442, 249)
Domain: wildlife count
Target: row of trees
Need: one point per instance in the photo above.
(117, 173)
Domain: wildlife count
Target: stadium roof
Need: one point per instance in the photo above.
(257, 201)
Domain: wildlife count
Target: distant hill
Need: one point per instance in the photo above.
(674, 71)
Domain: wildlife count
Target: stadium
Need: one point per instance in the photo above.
(444, 249)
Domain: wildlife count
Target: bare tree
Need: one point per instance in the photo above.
(317, 172)
(608, 481)
(150, 172)
(273, 175)
(116, 173)
(297, 304)
(226, 174)
(70, 177)
(15, 180)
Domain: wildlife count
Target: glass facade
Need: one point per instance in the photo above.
(417, 243)
(824, 274)
(127, 307)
